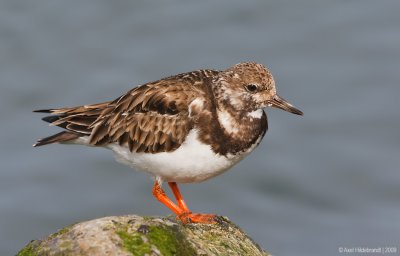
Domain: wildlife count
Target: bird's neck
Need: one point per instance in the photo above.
(233, 131)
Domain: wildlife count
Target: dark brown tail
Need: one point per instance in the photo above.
(76, 121)
(63, 136)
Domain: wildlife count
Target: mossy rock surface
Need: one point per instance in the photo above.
(136, 235)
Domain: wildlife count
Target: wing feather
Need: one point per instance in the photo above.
(150, 118)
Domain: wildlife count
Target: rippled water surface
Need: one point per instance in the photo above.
(327, 180)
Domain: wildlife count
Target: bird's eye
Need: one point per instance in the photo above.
(251, 87)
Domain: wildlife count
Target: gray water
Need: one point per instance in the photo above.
(327, 180)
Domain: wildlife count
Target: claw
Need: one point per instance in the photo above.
(189, 217)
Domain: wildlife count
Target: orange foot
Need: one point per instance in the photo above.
(181, 210)
(189, 217)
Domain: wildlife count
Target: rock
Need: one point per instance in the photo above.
(136, 235)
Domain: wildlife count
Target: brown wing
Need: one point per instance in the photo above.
(151, 118)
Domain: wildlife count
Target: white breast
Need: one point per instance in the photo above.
(193, 161)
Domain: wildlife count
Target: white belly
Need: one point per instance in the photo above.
(193, 161)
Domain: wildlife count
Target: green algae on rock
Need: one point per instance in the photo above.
(136, 235)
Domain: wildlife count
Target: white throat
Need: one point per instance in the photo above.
(256, 114)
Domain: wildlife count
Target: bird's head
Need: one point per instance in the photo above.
(249, 86)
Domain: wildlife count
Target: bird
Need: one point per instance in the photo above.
(185, 128)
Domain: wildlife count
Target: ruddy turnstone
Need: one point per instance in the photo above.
(181, 129)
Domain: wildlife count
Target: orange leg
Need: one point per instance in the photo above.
(178, 196)
(159, 193)
(182, 211)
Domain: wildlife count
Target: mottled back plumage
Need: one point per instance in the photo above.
(151, 118)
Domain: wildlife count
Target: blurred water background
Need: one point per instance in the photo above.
(327, 180)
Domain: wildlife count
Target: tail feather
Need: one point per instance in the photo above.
(43, 111)
(63, 136)
(76, 121)
(51, 119)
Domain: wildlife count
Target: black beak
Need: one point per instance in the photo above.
(279, 102)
